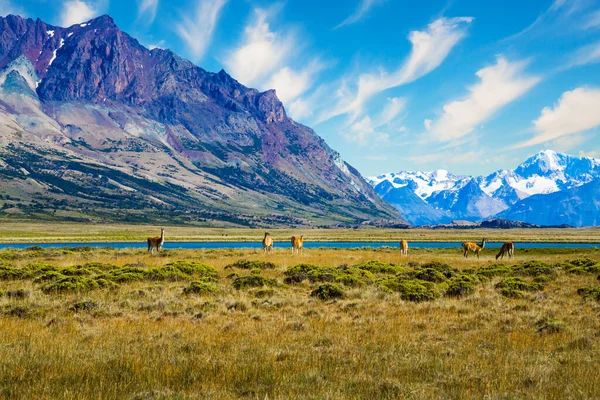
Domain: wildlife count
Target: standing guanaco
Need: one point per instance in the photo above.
(403, 248)
(508, 248)
(267, 243)
(156, 241)
(297, 243)
(474, 247)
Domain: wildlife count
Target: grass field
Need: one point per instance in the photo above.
(29, 232)
(105, 323)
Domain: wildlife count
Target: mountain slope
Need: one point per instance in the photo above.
(91, 122)
(479, 198)
(579, 206)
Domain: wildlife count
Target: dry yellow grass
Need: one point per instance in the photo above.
(147, 340)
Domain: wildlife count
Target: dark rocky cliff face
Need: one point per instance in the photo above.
(96, 80)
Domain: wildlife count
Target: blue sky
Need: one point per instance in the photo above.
(466, 85)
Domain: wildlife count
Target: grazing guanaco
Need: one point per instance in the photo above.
(507, 248)
(403, 248)
(474, 247)
(156, 241)
(297, 243)
(267, 243)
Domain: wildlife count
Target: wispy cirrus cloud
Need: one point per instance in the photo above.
(9, 7)
(77, 11)
(498, 85)
(196, 30)
(369, 131)
(575, 112)
(430, 48)
(589, 54)
(261, 51)
(268, 59)
(290, 83)
(361, 11)
(147, 10)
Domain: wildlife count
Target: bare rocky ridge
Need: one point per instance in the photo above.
(93, 124)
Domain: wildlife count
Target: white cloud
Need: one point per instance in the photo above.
(8, 7)
(392, 109)
(365, 133)
(363, 8)
(592, 153)
(261, 53)
(147, 8)
(290, 83)
(197, 29)
(589, 54)
(299, 109)
(429, 49)
(427, 123)
(499, 85)
(593, 21)
(576, 111)
(161, 44)
(77, 11)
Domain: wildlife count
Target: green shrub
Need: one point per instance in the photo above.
(590, 292)
(377, 267)
(199, 287)
(514, 287)
(125, 274)
(70, 284)
(84, 305)
(429, 274)
(10, 273)
(247, 264)
(17, 293)
(536, 268)
(263, 293)
(75, 271)
(37, 268)
(349, 280)
(19, 311)
(494, 270)
(446, 270)
(582, 266)
(583, 262)
(48, 276)
(98, 266)
(166, 273)
(349, 276)
(244, 282)
(411, 289)
(461, 285)
(328, 291)
(550, 325)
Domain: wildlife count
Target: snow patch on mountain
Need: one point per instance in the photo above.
(481, 197)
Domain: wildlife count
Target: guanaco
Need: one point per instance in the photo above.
(267, 243)
(403, 248)
(507, 248)
(474, 247)
(297, 243)
(156, 241)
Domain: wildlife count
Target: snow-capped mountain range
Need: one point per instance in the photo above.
(439, 196)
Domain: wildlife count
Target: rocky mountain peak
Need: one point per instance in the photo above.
(152, 123)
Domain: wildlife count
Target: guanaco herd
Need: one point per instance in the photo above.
(508, 248)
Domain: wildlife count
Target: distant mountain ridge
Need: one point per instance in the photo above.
(518, 195)
(94, 126)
